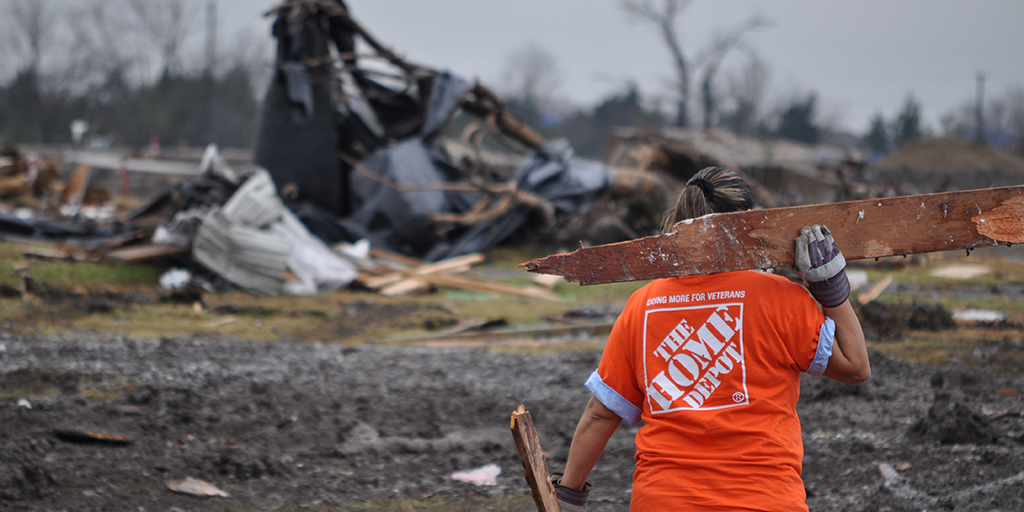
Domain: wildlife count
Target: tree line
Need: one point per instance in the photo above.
(138, 70)
(134, 70)
(735, 99)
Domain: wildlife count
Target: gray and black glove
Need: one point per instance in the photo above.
(570, 500)
(822, 266)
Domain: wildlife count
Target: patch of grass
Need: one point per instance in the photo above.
(70, 275)
(997, 351)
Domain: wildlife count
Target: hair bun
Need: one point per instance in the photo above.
(706, 186)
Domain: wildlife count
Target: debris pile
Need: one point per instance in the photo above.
(359, 147)
(942, 164)
(780, 172)
(31, 189)
(367, 145)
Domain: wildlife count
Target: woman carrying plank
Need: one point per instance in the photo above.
(711, 364)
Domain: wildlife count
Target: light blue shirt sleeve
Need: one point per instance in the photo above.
(612, 399)
(826, 338)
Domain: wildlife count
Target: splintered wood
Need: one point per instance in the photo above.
(405, 276)
(763, 239)
(536, 470)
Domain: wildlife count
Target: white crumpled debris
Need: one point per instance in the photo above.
(175, 279)
(196, 487)
(483, 475)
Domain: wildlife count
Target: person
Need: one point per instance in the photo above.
(711, 364)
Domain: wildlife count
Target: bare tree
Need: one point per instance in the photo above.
(1004, 118)
(95, 45)
(165, 25)
(663, 16)
(746, 88)
(531, 77)
(711, 61)
(30, 31)
(251, 52)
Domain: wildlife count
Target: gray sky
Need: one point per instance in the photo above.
(861, 56)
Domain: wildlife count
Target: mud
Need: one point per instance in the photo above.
(320, 426)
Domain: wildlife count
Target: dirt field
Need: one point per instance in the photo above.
(305, 425)
(323, 427)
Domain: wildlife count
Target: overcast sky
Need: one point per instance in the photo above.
(861, 56)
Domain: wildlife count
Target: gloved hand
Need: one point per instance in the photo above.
(570, 500)
(822, 266)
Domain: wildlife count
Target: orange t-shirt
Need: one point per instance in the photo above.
(712, 365)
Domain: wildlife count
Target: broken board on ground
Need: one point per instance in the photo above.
(763, 239)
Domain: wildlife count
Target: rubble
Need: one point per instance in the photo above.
(430, 165)
(942, 164)
(354, 147)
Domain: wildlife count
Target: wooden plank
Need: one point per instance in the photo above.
(763, 239)
(451, 265)
(875, 291)
(75, 189)
(404, 282)
(394, 256)
(146, 252)
(405, 287)
(456, 264)
(532, 456)
(466, 283)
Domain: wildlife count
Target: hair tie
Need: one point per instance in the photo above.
(706, 187)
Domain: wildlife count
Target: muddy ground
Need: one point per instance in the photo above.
(316, 426)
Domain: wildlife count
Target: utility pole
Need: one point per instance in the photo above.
(979, 109)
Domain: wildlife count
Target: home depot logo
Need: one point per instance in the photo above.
(698, 362)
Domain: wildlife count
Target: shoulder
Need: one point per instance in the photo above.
(770, 280)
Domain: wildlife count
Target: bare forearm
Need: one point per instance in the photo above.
(849, 361)
(596, 426)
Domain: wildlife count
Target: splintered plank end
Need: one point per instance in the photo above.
(532, 456)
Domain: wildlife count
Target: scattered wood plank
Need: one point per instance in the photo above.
(84, 436)
(13, 186)
(763, 239)
(147, 252)
(394, 256)
(405, 287)
(472, 326)
(451, 265)
(478, 285)
(424, 276)
(74, 191)
(547, 281)
(43, 254)
(875, 291)
(532, 456)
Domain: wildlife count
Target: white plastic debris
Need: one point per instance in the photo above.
(483, 475)
(978, 315)
(359, 250)
(25, 403)
(175, 279)
(316, 267)
(196, 487)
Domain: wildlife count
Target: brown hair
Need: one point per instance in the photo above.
(711, 190)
